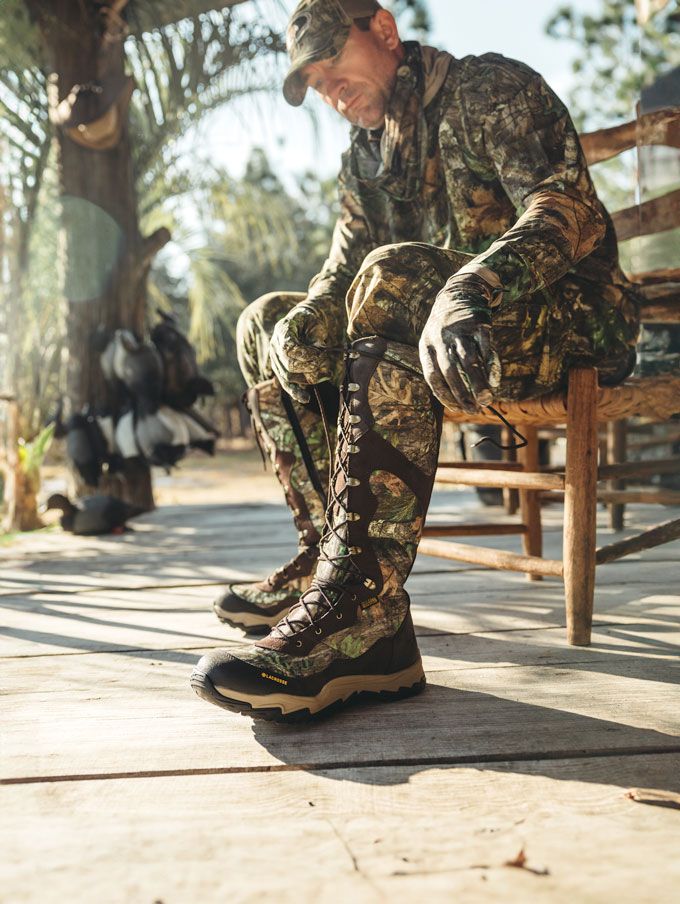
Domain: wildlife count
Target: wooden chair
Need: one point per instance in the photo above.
(582, 409)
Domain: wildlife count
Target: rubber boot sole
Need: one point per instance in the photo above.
(250, 622)
(339, 691)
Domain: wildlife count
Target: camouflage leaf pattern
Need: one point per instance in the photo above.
(503, 190)
(503, 187)
(277, 436)
(254, 332)
(404, 415)
(317, 30)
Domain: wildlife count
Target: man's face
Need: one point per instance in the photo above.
(358, 81)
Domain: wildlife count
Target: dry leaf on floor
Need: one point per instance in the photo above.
(520, 862)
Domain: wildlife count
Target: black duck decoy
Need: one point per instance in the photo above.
(182, 382)
(93, 515)
(139, 366)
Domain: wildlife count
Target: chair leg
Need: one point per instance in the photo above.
(530, 500)
(580, 504)
(616, 454)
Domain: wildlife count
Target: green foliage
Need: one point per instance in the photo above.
(617, 57)
(186, 70)
(616, 60)
(32, 454)
(413, 16)
(252, 236)
(183, 70)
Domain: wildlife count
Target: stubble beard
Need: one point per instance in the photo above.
(372, 116)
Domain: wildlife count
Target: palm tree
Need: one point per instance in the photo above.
(187, 57)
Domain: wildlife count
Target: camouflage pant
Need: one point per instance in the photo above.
(537, 338)
(390, 298)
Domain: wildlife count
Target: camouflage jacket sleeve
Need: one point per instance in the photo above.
(350, 245)
(529, 140)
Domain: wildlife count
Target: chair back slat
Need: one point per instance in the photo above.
(660, 290)
(662, 127)
(648, 218)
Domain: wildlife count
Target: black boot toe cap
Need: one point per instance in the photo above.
(223, 673)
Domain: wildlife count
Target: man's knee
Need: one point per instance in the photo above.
(403, 259)
(254, 329)
(258, 320)
(395, 287)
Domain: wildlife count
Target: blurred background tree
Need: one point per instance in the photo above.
(624, 48)
(73, 252)
(63, 208)
(618, 57)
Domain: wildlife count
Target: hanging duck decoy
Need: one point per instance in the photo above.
(162, 437)
(202, 434)
(107, 351)
(125, 439)
(139, 366)
(183, 384)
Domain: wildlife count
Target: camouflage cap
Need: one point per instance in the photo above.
(318, 30)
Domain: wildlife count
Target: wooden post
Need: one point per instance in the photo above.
(616, 454)
(530, 500)
(99, 199)
(580, 504)
(12, 481)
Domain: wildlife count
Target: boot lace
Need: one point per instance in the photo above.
(291, 569)
(323, 595)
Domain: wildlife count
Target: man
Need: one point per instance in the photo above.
(472, 260)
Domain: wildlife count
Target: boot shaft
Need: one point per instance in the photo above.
(292, 437)
(388, 441)
(388, 444)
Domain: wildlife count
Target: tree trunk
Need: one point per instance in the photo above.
(20, 489)
(107, 260)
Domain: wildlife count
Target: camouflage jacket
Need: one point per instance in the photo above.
(479, 155)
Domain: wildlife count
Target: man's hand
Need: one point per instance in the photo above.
(459, 363)
(300, 351)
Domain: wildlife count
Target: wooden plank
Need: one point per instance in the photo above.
(650, 497)
(365, 835)
(661, 127)
(57, 625)
(491, 558)
(639, 469)
(648, 218)
(659, 293)
(487, 466)
(665, 438)
(662, 312)
(371, 831)
(103, 714)
(647, 279)
(472, 530)
(480, 477)
(663, 533)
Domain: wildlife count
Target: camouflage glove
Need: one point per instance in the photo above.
(305, 350)
(459, 363)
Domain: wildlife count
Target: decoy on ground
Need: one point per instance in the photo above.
(93, 515)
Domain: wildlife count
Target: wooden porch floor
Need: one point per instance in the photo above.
(120, 785)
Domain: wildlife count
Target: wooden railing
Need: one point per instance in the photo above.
(660, 288)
